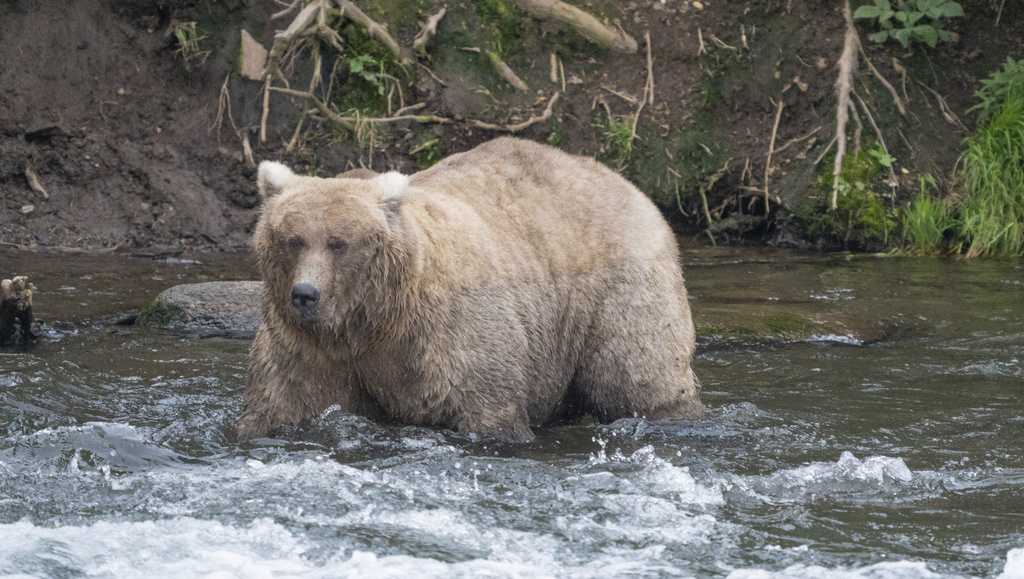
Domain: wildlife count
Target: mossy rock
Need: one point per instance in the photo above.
(749, 326)
(224, 308)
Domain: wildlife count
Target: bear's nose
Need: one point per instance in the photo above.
(305, 296)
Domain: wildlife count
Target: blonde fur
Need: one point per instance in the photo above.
(508, 286)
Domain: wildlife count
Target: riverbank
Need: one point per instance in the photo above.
(130, 141)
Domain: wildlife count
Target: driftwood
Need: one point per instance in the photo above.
(583, 22)
(16, 311)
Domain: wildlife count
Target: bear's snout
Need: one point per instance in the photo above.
(305, 298)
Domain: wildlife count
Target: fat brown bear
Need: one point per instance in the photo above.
(508, 286)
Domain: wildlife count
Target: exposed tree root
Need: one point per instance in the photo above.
(518, 127)
(888, 86)
(419, 44)
(893, 182)
(844, 84)
(648, 94)
(375, 30)
(771, 151)
(583, 22)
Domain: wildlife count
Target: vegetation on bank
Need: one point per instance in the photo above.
(863, 198)
(982, 216)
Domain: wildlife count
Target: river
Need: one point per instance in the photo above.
(823, 457)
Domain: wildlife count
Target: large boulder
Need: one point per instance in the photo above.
(220, 308)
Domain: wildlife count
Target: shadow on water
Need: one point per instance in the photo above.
(902, 458)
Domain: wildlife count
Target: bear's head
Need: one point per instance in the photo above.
(326, 246)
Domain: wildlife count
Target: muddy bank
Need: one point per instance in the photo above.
(110, 136)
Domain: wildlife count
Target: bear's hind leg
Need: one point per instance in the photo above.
(636, 359)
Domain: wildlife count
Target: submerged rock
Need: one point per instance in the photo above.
(744, 325)
(220, 308)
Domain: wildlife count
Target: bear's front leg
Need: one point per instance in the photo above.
(272, 392)
(290, 383)
(509, 423)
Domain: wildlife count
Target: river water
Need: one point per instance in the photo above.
(826, 457)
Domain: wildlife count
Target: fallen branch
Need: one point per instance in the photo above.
(583, 22)
(503, 70)
(506, 72)
(419, 44)
(515, 128)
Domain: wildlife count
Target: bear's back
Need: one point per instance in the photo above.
(575, 213)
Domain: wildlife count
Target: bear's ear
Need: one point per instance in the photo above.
(272, 178)
(393, 184)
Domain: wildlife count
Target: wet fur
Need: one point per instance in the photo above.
(506, 287)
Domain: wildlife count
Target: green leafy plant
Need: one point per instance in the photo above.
(862, 217)
(189, 38)
(911, 20)
(617, 139)
(1005, 84)
(370, 69)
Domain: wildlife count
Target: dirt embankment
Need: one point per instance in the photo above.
(97, 104)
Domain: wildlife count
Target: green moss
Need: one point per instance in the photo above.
(158, 313)
(862, 218)
(776, 327)
(503, 23)
(788, 326)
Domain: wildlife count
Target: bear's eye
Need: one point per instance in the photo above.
(337, 245)
(295, 243)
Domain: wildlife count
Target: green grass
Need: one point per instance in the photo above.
(925, 222)
(190, 37)
(616, 139)
(991, 219)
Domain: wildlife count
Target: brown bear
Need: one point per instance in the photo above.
(508, 286)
